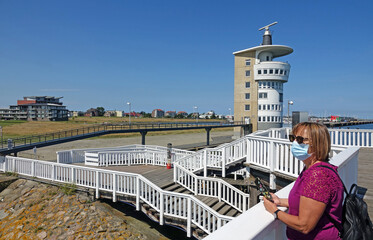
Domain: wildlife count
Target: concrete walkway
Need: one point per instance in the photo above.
(184, 140)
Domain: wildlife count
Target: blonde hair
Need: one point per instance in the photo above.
(319, 139)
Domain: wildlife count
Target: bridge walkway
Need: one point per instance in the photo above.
(163, 178)
(365, 176)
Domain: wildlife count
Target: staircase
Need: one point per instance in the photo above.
(220, 207)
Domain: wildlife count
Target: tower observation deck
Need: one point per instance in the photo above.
(258, 83)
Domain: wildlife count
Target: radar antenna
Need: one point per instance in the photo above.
(267, 37)
(267, 27)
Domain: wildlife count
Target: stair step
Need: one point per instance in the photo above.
(224, 210)
(218, 206)
(232, 212)
(167, 185)
(172, 187)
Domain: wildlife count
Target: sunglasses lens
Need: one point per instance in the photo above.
(291, 138)
(299, 139)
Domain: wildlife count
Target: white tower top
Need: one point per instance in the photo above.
(267, 36)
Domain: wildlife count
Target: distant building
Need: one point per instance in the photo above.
(119, 113)
(92, 112)
(36, 108)
(110, 113)
(182, 113)
(76, 114)
(133, 114)
(157, 113)
(170, 114)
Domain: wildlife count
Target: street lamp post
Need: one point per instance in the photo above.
(289, 103)
(129, 114)
(196, 113)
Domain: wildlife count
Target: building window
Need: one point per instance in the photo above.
(270, 71)
(247, 84)
(273, 84)
(281, 71)
(285, 72)
(268, 118)
(247, 73)
(276, 71)
(281, 97)
(260, 84)
(263, 95)
(247, 96)
(247, 107)
(264, 84)
(264, 107)
(265, 71)
(248, 62)
(259, 71)
(259, 119)
(259, 107)
(272, 107)
(267, 58)
(273, 119)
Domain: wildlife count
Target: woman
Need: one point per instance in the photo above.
(315, 201)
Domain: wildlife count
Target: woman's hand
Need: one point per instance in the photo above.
(270, 206)
(275, 199)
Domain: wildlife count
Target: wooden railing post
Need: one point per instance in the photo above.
(97, 184)
(72, 175)
(272, 162)
(53, 172)
(189, 218)
(223, 162)
(161, 208)
(33, 169)
(219, 191)
(205, 163)
(114, 187)
(137, 193)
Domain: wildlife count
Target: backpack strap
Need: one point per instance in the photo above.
(337, 225)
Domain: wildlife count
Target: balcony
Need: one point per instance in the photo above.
(272, 71)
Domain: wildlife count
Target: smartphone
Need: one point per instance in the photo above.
(262, 188)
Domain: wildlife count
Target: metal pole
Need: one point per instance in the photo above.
(129, 114)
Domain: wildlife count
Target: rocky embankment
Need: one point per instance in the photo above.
(32, 210)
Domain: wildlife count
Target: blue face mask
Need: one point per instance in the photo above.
(300, 151)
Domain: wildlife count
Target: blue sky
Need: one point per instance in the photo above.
(175, 55)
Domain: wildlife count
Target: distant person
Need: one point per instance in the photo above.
(315, 201)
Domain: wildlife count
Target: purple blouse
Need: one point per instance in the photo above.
(323, 185)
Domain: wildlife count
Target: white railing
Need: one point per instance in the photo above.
(182, 206)
(274, 155)
(77, 155)
(351, 137)
(339, 137)
(212, 187)
(257, 223)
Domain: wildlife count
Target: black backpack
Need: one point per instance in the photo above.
(356, 223)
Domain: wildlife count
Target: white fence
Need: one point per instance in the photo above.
(257, 223)
(91, 156)
(339, 137)
(275, 155)
(182, 206)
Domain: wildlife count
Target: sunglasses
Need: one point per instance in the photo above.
(299, 139)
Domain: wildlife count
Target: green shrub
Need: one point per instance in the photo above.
(68, 188)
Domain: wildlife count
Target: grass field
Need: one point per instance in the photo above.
(17, 129)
